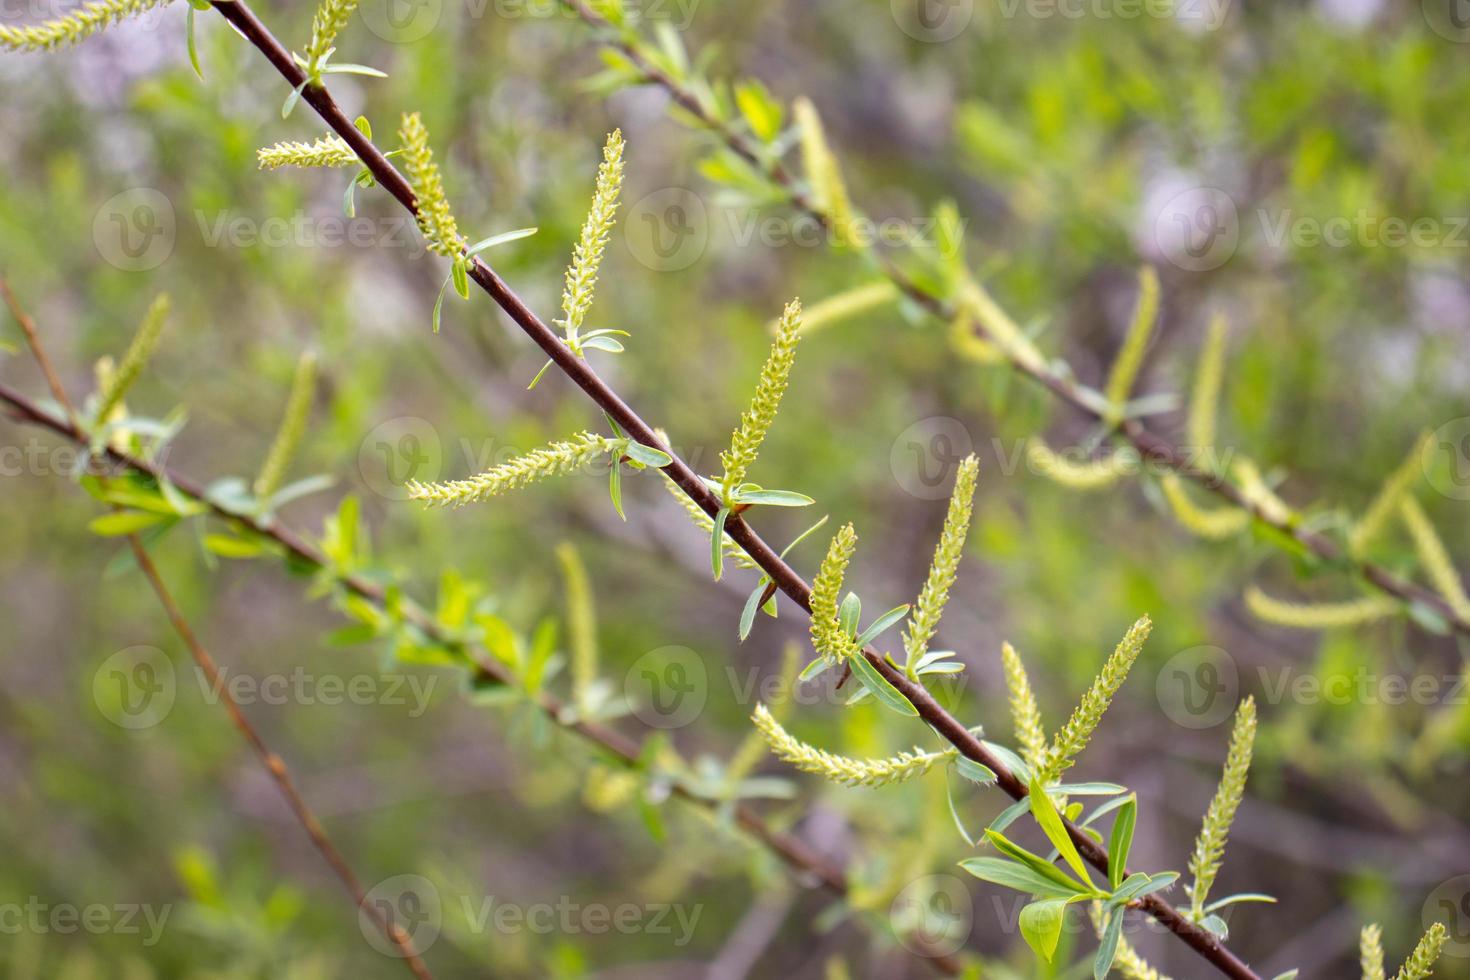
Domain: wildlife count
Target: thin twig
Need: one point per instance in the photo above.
(791, 583)
(1151, 446)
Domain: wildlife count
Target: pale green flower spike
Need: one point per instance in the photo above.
(1092, 474)
(1076, 733)
(828, 636)
(434, 217)
(145, 341)
(1024, 711)
(1320, 615)
(930, 604)
(829, 193)
(293, 426)
(330, 18)
(845, 305)
(997, 323)
(75, 27)
(556, 459)
(1433, 557)
(745, 445)
(1209, 847)
(581, 275)
(841, 769)
(1376, 517)
(1420, 963)
(326, 151)
(1258, 494)
(1212, 524)
(1370, 952)
(581, 624)
(1204, 400)
(1130, 358)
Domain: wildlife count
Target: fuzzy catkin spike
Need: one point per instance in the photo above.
(1209, 847)
(581, 275)
(841, 769)
(1093, 474)
(581, 622)
(325, 151)
(827, 634)
(330, 18)
(435, 219)
(823, 174)
(1076, 733)
(847, 304)
(1212, 524)
(1433, 557)
(554, 460)
(1025, 714)
(999, 327)
(745, 445)
(1125, 369)
(1420, 963)
(930, 604)
(145, 341)
(1204, 400)
(293, 426)
(75, 27)
(1376, 517)
(1259, 494)
(1370, 952)
(1320, 615)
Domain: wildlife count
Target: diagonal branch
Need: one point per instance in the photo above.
(1151, 446)
(783, 575)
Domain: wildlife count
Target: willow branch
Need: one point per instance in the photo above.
(1151, 446)
(783, 575)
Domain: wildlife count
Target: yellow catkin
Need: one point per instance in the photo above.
(435, 219)
(1204, 400)
(326, 151)
(1434, 557)
(1214, 524)
(733, 552)
(745, 444)
(1209, 847)
(581, 275)
(74, 27)
(293, 427)
(1258, 494)
(841, 769)
(1091, 474)
(1025, 714)
(845, 305)
(826, 630)
(331, 17)
(1370, 952)
(1420, 963)
(1318, 616)
(823, 174)
(999, 327)
(1076, 733)
(1130, 358)
(929, 605)
(554, 460)
(144, 343)
(581, 622)
(1376, 517)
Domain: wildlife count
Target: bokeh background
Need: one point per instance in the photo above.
(1074, 138)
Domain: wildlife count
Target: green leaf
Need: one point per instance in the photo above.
(761, 112)
(1120, 842)
(1107, 950)
(803, 536)
(363, 126)
(1041, 925)
(1009, 874)
(1051, 824)
(349, 199)
(954, 812)
(849, 613)
(878, 684)
(461, 275)
(608, 344)
(1013, 762)
(229, 546)
(500, 239)
(293, 98)
(1086, 789)
(646, 455)
(534, 381)
(882, 623)
(1010, 815)
(615, 486)
(1036, 863)
(348, 68)
(974, 771)
(1242, 897)
(439, 307)
(189, 39)
(716, 542)
(752, 606)
(773, 498)
(124, 522)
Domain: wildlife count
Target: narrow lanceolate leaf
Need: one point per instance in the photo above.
(1125, 958)
(326, 151)
(581, 275)
(1212, 524)
(828, 637)
(838, 768)
(1045, 812)
(1319, 615)
(1434, 557)
(1075, 474)
(1025, 714)
(1120, 841)
(145, 341)
(745, 445)
(1370, 952)
(1076, 733)
(886, 694)
(1204, 400)
(1376, 517)
(554, 460)
(74, 27)
(330, 18)
(581, 622)
(1420, 963)
(435, 219)
(829, 192)
(1125, 369)
(293, 426)
(1209, 847)
(932, 598)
